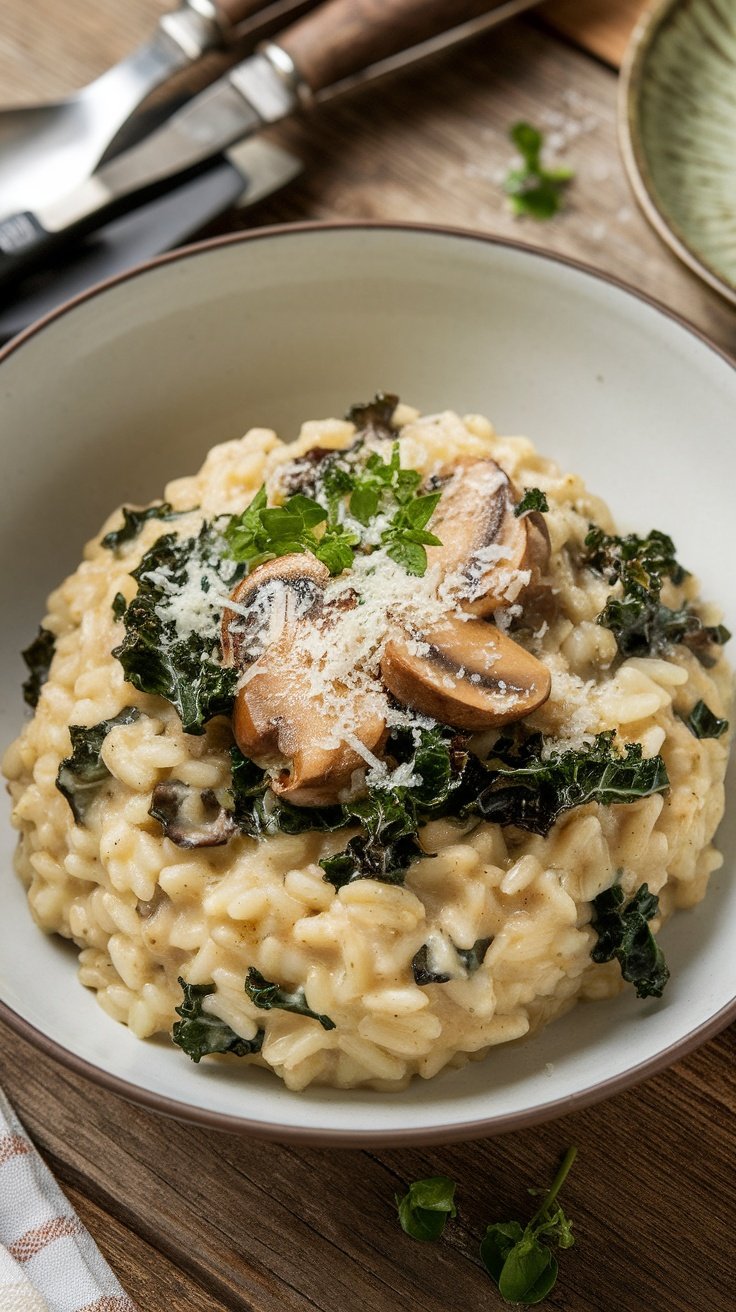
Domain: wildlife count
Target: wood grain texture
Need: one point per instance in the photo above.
(207, 1222)
(601, 26)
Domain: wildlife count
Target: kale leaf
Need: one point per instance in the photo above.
(533, 499)
(133, 521)
(638, 619)
(266, 995)
(81, 775)
(424, 1208)
(200, 1034)
(704, 724)
(119, 605)
(257, 810)
(519, 1259)
(533, 189)
(469, 960)
(624, 933)
(529, 791)
(38, 658)
(376, 415)
(186, 671)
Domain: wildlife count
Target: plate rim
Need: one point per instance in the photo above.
(635, 161)
(349, 1138)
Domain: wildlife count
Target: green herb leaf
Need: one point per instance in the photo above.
(468, 961)
(38, 658)
(624, 933)
(405, 538)
(704, 724)
(81, 775)
(520, 1260)
(424, 1209)
(263, 531)
(533, 189)
(186, 671)
(266, 995)
(641, 624)
(199, 1034)
(533, 499)
(133, 521)
(531, 791)
(376, 415)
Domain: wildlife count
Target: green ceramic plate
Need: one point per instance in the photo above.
(678, 132)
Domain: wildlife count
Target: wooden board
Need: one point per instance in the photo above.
(196, 1221)
(603, 27)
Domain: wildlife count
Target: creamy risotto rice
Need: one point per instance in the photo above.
(485, 932)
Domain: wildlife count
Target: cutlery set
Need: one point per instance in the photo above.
(64, 175)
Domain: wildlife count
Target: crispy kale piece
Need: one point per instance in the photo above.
(38, 658)
(527, 789)
(640, 622)
(374, 416)
(133, 521)
(703, 723)
(186, 671)
(199, 1034)
(469, 960)
(624, 933)
(270, 996)
(81, 775)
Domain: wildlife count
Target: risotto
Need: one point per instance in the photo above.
(361, 754)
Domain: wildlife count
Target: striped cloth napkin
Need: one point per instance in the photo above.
(48, 1261)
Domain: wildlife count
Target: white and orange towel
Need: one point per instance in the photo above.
(48, 1261)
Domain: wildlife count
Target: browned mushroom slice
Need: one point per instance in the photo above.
(466, 673)
(191, 817)
(285, 714)
(486, 551)
(275, 594)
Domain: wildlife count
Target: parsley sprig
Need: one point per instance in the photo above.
(263, 532)
(519, 1259)
(532, 188)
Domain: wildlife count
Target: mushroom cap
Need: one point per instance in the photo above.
(282, 717)
(466, 673)
(487, 556)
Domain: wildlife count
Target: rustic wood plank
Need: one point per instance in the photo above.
(147, 1276)
(264, 1227)
(598, 26)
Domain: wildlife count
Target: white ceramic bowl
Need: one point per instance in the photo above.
(115, 394)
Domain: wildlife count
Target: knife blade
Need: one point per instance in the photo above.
(246, 174)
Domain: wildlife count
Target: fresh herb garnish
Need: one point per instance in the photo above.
(624, 933)
(533, 189)
(133, 521)
(533, 499)
(270, 996)
(469, 960)
(200, 1034)
(703, 723)
(80, 775)
(531, 791)
(640, 622)
(519, 1259)
(263, 532)
(424, 1208)
(38, 658)
(406, 537)
(186, 671)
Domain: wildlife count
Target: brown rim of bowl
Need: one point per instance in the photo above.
(635, 161)
(476, 1129)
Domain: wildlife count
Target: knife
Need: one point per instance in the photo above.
(330, 44)
(246, 174)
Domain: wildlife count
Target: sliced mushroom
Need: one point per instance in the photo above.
(283, 717)
(191, 817)
(466, 673)
(485, 549)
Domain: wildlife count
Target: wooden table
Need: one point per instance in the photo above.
(198, 1221)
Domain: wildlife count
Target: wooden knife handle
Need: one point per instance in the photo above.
(342, 37)
(233, 12)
